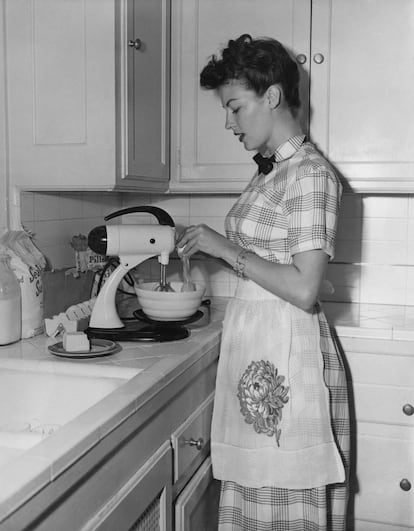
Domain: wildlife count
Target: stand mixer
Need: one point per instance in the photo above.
(133, 244)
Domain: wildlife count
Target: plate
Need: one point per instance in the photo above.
(99, 347)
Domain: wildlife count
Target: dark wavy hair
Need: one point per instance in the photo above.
(257, 63)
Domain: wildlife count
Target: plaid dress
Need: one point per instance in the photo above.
(280, 430)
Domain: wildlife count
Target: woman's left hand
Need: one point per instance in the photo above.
(202, 238)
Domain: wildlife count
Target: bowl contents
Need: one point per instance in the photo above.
(169, 305)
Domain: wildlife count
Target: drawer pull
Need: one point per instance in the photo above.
(408, 409)
(405, 484)
(199, 443)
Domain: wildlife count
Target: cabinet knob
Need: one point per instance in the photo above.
(301, 58)
(137, 44)
(408, 409)
(318, 58)
(199, 443)
(405, 484)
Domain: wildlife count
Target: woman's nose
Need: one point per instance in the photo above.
(229, 122)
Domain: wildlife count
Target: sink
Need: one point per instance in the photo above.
(39, 396)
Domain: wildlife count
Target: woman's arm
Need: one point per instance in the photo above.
(298, 283)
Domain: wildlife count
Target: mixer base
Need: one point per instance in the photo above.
(136, 331)
(142, 328)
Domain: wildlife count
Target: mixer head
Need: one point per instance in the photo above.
(133, 244)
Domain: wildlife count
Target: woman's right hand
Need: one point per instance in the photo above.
(203, 238)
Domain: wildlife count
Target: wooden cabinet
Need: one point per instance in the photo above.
(144, 502)
(204, 155)
(361, 71)
(191, 442)
(194, 508)
(88, 93)
(383, 404)
(145, 103)
(357, 65)
(196, 493)
(385, 469)
(130, 480)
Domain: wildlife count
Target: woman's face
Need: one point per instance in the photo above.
(248, 115)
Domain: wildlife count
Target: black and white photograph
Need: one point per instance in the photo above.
(206, 265)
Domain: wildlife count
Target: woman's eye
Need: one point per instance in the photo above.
(235, 111)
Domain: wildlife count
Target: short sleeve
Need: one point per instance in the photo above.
(312, 206)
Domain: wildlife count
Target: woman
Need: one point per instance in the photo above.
(280, 435)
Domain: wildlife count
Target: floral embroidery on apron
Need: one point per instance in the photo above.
(262, 395)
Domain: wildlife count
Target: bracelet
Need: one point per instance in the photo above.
(241, 262)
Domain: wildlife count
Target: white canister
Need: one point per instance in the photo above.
(10, 303)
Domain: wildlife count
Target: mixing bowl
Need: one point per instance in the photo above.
(168, 305)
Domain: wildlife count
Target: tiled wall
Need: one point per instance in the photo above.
(374, 255)
(375, 251)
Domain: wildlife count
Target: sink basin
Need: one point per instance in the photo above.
(37, 397)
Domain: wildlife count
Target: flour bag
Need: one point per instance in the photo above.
(28, 264)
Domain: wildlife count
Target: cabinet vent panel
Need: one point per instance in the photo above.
(150, 519)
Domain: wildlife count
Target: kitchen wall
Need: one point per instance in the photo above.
(3, 138)
(374, 255)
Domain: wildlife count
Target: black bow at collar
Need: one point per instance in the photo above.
(265, 163)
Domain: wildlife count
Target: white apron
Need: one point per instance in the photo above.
(271, 421)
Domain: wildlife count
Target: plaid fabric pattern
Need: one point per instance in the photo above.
(317, 509)
(292, 209)
(271, 509)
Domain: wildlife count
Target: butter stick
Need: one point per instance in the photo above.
(75, 341)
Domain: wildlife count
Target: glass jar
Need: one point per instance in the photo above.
(10, 303)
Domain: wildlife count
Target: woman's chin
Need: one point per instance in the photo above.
(247, 146)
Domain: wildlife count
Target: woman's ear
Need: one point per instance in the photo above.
(274, 96)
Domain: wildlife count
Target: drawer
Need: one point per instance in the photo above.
(191, 441)
(385, 467)
(384, 403)
(380, 369)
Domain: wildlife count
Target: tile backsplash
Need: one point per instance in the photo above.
(374, 252)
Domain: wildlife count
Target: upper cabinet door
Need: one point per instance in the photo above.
(145, 93)
(61, 92)
(204, 155)
(357, 57)
(88, 94)
(362, 97)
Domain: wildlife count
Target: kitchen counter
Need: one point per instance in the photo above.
(375, 321)
(163, 362)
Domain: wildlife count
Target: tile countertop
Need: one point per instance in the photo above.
(377, 321)
(38, 466)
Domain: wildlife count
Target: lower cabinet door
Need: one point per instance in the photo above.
(197, 506)
(385, 476)
(144, 503)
